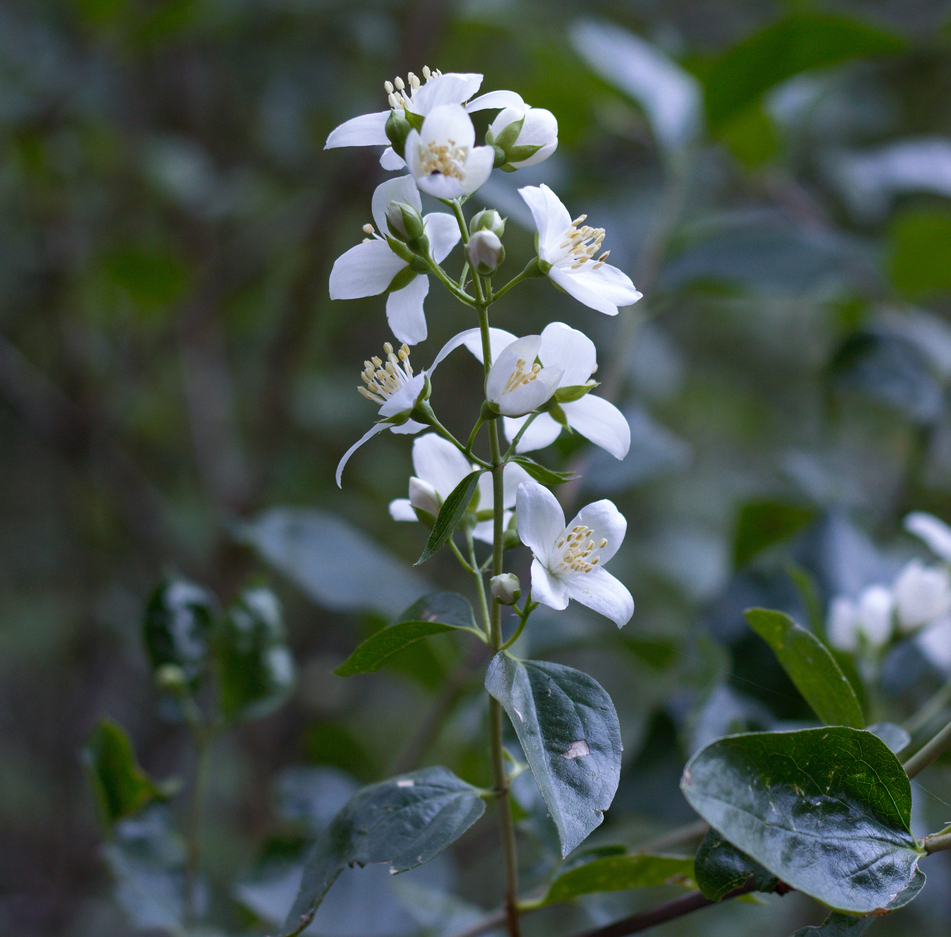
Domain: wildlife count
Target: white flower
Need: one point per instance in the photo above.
(394, 386)
(535, 139)
(485, 252)
(935, 533)
(570, 251)
(935, 643)
(867, 622)
(573, 353)
(516, 383)
(439, 467)
(442, 156)
(371, 267)
(568, 560)
(922, 594)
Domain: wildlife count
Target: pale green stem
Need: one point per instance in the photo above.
(936, 842)
(531, 270)
(515, 441)
(929, 752)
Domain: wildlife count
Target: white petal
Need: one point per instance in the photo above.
(405, 398)
(601, 422)
(935, 533)
(391, 160)
(402, 510)
(365, 130)
(569, 349)
(541, 520)
(407, 428)
(842, 624)
(499, 340)
(543, 432)
(439, 462)
(528, 397)
(462, 338)
(548, 589)
(935, 643)
(603, 289)
(602, 593)
(451, 88)
(493, 99)
(400, 189)
(479, 165)
(605, 520)
(440, 186)
(524, 349)
(365, 270)
(512, 476)
(376, 428)
(551, 217)
(540, 129)
(404, 311)
(443, 232)
(447, 122)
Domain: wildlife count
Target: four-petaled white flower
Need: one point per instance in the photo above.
(371, 267)
(570, 249)
(442, 156)
(568, 559)
(439, 467)
(394, 386)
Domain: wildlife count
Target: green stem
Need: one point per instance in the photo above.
(515, 440)
(450, 285)
(929, 752)
(531, 270)
(530, 606)
(937, 842)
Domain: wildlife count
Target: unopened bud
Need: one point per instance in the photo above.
(506, 589)
(485, 252)
(171, 678)
(397, 130)
(404, 221)
(423, 497)
(524, 137)
(487, 220)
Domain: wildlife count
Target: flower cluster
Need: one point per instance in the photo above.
(536, 386)
(917, 601)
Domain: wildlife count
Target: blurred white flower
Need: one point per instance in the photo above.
(922, 594)
(935, 643)
(568, 559)
(569, 251)
(372, 267)
(866, 623)
(935, 533)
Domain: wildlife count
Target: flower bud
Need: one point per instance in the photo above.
(485, 252)
(506, 589)
(424, 497)
(404, 221)
(171, 678)
(524, 136)
(487, 220)
(397, 130)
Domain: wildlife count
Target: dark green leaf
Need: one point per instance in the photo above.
(838, 925)
(433, 614)
(810, 666)
(801, 41)
(826, 810)
(541, 474)
(403, 821)
(570, 736)
(450, 514)
(762, 524)
(255, 667)
(120, 786)
(721, 868)
(616, 873)
(178, 622)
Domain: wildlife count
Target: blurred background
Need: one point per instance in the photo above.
(176, 389)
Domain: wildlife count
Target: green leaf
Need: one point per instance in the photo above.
(617, 873)
(569, 733)
(403, 821)
(255, 667)
(541, 474)
(120, 786)
(721, 868)
(178, 623)
(810, 666)
(801, 41)
(762, 524)
(838, 925)
(920, 261)
(450, 514)
(827, 810)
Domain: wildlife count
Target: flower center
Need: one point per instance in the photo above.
(385, 379)
(444, 158)
(520, 375)
(400, 94)
(576, 546)
(580, 244)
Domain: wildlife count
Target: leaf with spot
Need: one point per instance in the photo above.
(404, 821)
(826, 810)
(569, 733)
(619, 873)
(810, 666)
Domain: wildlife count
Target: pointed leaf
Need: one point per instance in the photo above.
(404, 821)
(120, 786)
(178, 622)
(810, 666)
(569, 733)
(827, 810)
(617, 873)
(450, 514)
(721, 868)
(255, 667)
(541, 474)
